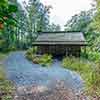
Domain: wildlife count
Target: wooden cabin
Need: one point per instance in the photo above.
(60, 43)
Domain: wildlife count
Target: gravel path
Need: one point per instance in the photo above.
(24, 73)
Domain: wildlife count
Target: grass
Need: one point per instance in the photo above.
(2, 56)
(90, 73)
(6, 86)
(44, 60)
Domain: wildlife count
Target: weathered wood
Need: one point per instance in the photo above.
(60, 50)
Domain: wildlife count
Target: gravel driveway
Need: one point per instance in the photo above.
(23, 73)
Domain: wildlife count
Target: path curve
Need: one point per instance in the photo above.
(22, 72)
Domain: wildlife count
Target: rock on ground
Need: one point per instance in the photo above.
(45, 93)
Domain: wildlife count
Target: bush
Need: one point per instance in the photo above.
(6, 86)
(11, 48)
(76, 64)
(2, 56)
(46, 60)
(2, 73)
(90, 73)
(31, 52)
(2, 45)
(94, 83)
(94, 56)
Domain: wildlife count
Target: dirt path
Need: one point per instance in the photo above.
(26, 74)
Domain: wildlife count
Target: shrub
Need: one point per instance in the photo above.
(90, 73)
(11, 48)
(94, 83)
(6, 86)
(46, 60)
(2, 73)
(31, 52)
(7, 97)
(2, 45)
(94, 56)
(75, 64)
(2, 56)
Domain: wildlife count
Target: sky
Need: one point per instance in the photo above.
(62, 10)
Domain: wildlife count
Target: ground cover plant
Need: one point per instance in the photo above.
(6, 86)
(89, 71)
(44, 60)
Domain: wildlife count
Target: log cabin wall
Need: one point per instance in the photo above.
(60, 50)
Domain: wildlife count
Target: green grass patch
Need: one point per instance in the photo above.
(89, 71)
(2, 73)
(6, 86)
(2, 56)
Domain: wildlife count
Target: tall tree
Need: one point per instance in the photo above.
(96, 25)
(82, 22)
(53, 27)
(7, 21)
(96, 20)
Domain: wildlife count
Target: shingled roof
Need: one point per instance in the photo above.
(68, 38)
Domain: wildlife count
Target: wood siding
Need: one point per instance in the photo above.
(60, 50)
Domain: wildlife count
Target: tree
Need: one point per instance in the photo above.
(38, 18)
(53, 27)
(7, 21)
(82, 23)
(96, 26)
(96, 21)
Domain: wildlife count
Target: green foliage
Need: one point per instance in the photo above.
(6, 86)
(2, 56)
(2, 73)
(2, 45)
(94, 56)
(53, 27)
(46, 60)
(8, 97)
(93, 81)
(31, 52)
(5, 48)
(3, 3)
(76, 64)
(12, 8)
(96, 21)
(8, 24)
(18, 28)
(80, 22)
(89, 71)
(38, 16)
(6, 13)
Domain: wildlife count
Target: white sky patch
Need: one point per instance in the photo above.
(64, 9)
